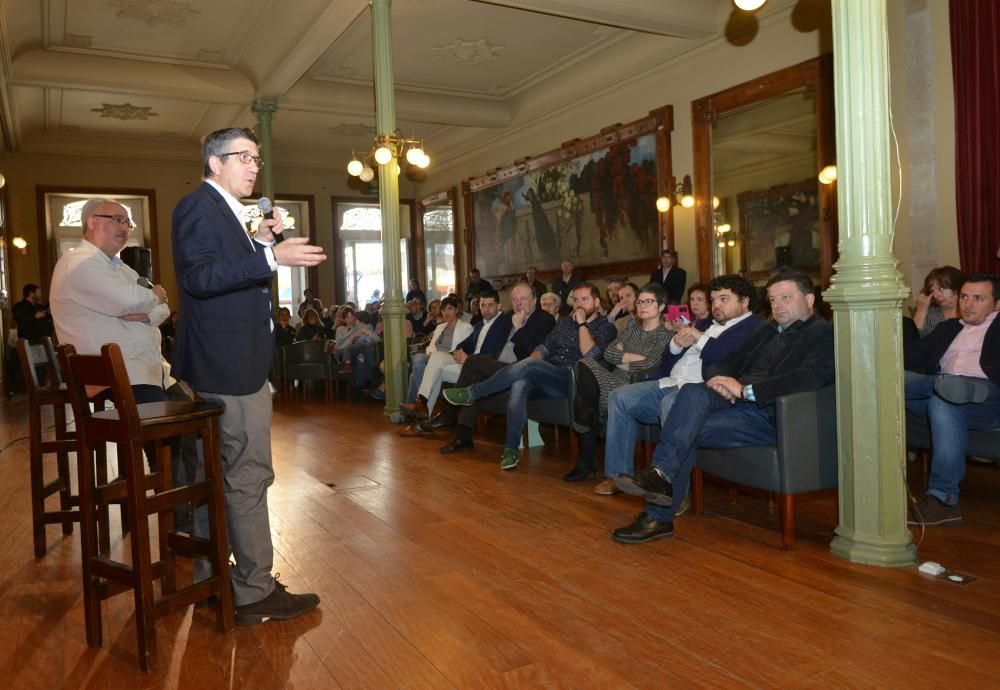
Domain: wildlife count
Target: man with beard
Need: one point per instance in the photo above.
(546, 372)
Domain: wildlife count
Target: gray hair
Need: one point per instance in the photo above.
(216, 143)
(90, 208)
(551, 295)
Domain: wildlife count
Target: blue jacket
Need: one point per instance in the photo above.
(728, 341)
(224, 341)
(495, 337)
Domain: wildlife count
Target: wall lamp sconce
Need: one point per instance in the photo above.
(749, 5)
(683, 195)
(828, 175)
(384, 150)
(20, 244)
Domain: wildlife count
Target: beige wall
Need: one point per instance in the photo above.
(170, 181)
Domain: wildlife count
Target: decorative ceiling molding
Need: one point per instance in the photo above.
(468, 52)
(125, 111)
(210, 56)
(154, 12)
(352, 129)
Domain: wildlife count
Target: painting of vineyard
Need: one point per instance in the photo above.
(595, 209)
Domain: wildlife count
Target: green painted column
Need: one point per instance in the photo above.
(867, 294)
(393, 310)
(265, 110)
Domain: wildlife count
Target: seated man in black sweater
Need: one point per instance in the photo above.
(735, 406)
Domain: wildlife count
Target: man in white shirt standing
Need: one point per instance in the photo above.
(690, 351)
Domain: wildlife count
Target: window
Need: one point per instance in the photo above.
(360, 230)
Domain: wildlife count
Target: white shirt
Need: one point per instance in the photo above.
(688, 368)
(88, 295)
(239, 210)
(482, 333)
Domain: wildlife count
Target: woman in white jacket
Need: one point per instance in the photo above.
(444, 340)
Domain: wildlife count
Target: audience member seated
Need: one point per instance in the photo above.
(433, 318)
(445, 340)
(487, 337)
(614, 285)
(672, 277)
(550, 303)
(621, 314)
(632, 356)
(693, 349)
(32, 316)
(565, 283)
(546, 372)
(529, 329)
(414, 292)
(537, 286)
(475, 316)
(312, 328)
(953, 379)
(355, 348)
(938, 301)
(735, 407)
(284, 333)
(309, 302)
(476, 284)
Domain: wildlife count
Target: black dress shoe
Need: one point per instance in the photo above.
(582, 470)
(458, 444)
(280, 605)
(642, 530)
(649, 485)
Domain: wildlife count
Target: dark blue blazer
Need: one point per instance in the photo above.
(495, 337)
(224, 340)
(924, 356)
(728, 341)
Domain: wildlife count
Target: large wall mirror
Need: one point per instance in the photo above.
(435, 244)
(759, 150)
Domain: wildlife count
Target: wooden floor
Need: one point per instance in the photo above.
(443, 571)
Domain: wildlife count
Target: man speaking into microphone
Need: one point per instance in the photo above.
(224, 349)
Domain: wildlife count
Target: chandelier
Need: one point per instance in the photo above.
(386, 149)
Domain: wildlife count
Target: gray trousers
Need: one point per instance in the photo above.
(245, 438)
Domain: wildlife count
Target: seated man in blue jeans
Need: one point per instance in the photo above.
(735, 407)
(953, 379)
(691, 351)
(545, 373)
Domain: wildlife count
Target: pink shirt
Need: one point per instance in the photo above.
(962, 357)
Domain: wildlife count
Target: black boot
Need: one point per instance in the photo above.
(586, 465)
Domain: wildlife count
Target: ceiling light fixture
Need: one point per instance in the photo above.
(385, 149)
(749, 5)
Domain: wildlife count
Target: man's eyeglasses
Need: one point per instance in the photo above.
(121, 220)
(644, 302)
(245, 157)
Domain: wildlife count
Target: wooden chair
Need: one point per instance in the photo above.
(306, 360)
(129, 426)
(53, 393)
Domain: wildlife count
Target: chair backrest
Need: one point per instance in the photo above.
(106, 370)
(305, 352)
(33, 357)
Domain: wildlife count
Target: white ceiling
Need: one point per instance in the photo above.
(103, 77)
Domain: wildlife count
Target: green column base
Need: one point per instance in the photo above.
(870, 552)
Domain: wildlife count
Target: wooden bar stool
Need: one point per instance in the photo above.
(129, 426)
(55, 394)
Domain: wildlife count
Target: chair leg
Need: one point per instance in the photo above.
(62, 464)
(37, 480)
(697, 488)
(142, 582)
(88, 546)
(217, 527)
(165, 520)
(786, 507)
(97, 464)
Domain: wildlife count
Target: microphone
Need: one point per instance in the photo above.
(144, 282)
(267, 210)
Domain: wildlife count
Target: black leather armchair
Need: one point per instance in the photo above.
(804, 461)
(306, 361)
